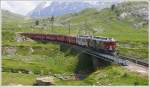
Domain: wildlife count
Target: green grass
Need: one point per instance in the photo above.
(116, 75)
(71, 83)
(55, 63)
(45, 56)
(140, 53)
(16, 79)
(111, 75)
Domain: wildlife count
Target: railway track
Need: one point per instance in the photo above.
(123, 57)
(134, 60)
(131, 59)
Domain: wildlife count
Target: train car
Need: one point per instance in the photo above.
(50, 37)
(83, 40)
(38, 37)
(92, 43)
(58, 37)
(67, 39)
(29, 35)
(62, 38)
(100, 43)
(110, 45)
(106, 45)
(71, 40)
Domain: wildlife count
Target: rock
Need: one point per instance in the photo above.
(9, 50)
(30, 72)
(135, 13)
(50, 73)
(124, 15)
(142, 12)
(45, 81)
(31, 49)
(138, 25)
(19, 72)
(12, 84)
(20, 38)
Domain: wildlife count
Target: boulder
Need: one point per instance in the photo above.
(9, 50)
(124, 15)
(45, 81)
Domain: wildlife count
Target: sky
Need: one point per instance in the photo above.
(20, 7)
(25, 6)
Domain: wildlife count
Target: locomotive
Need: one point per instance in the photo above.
(100, 44)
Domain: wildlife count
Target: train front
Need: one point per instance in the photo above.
(110, 46)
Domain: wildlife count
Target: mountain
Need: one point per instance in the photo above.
(133, 13)
(136, 13)
(7, 15)
(10, 19)
(58, 8)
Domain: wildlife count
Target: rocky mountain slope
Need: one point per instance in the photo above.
(59, 8)
(136, 13)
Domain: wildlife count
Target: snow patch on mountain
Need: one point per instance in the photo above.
(59, 8)
(47, 3)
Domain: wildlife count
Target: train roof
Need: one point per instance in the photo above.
(85, 36)
(103, 39)
(106, 39)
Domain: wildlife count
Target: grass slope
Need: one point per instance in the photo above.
(44, 59)
(116, 75)
(16, 79)
(112, 75)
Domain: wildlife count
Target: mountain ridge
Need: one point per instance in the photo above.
(59, 8)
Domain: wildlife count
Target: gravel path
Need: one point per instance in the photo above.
(137, 68)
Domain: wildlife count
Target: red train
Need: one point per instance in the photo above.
(101, 44)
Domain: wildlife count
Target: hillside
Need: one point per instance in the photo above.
(128, 25)
(11, 20)
(9, 17)
(99, 21)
